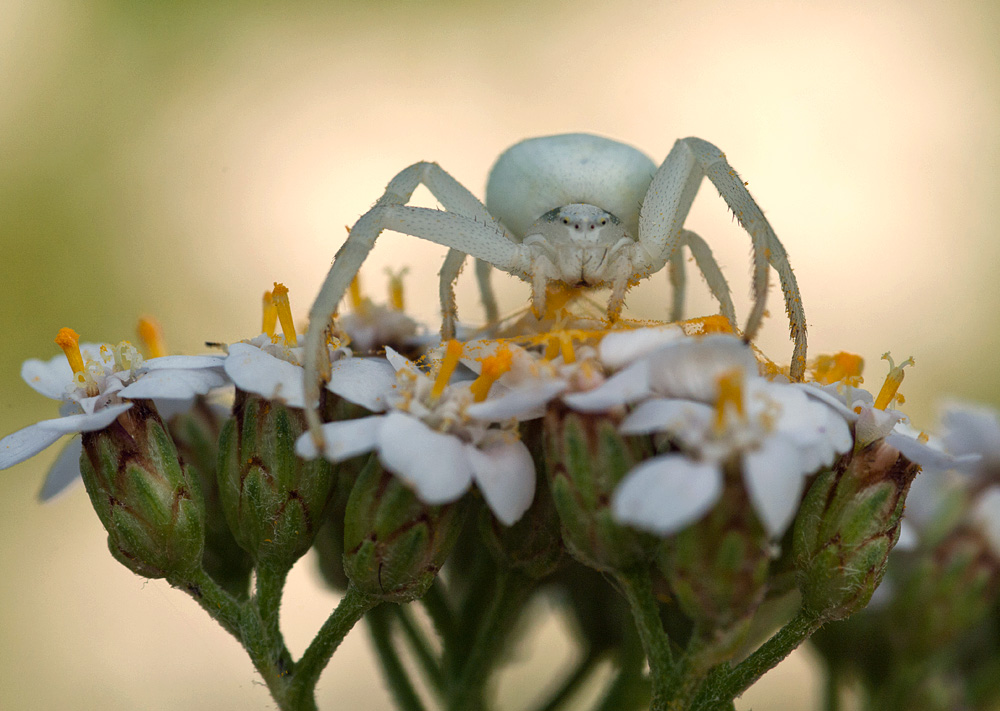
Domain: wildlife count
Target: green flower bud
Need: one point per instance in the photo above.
(395, 545)
(846, 526)
(585, 459)
(196, 434)
(533, 545)
(950, 591)
(274, 501)
(718, 571)
(144, 495)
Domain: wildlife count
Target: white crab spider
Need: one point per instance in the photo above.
(575, 209)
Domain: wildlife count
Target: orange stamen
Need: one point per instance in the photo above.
(844, 366)
(279, 296)
(396, 288)
(493, 367)
(358, 301)
(453, 351)
(892, 382)
(69, 341)
(730, 396)
(269, 319)
(151, 334)
(566, 347)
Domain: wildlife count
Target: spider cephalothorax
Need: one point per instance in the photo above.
(573, 210)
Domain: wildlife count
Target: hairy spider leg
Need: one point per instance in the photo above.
(352, 254)
(666, 207)
(709, 269)
(448, 274)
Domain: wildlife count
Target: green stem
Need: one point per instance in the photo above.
(435, 601)
(425, 656)
(466, 694)
(351, 608)
(726, 684)
(270, 586)
(831, 689)
(638, 590)
(395, 673)
(572, 682)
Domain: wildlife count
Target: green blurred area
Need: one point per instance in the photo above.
(97, 99)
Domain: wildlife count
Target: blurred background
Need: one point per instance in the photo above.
(174, 159)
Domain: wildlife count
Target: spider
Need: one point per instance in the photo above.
(575, 210)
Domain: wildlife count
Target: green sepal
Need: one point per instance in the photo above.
(274, 501)
(395, 544)
(148, 501)
(585, 460)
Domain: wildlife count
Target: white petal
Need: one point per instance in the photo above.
(25, 444)
(774, 479)
(665, 494)
(64, 472)
(342, 440)
(930, 458)
(619, 348)
(691, 368)
(831, 399)
(435, 465)
(623, 388)
(987, 514)
(184, 362)
(667, 415)
(175, 384)
(972, 429)
(397, 361)
(874, 424)
(48, 377)
(505, 473)
(908, 537)
(255, 371)
(368, 382)
(526, 399)
(87, 422)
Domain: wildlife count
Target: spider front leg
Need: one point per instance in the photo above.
(666, 207)
(352, 254)
(448, 274)
(709, 269)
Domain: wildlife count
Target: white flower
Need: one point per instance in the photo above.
(425, 437)
(716, 415)
(94, 392)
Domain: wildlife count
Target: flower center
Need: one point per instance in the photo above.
(269, 318)
(69, 341)
(730, 397)
(453, 351)
(279, 296)
(151, 334)
(829, 369)
(888, 394)
(493, 367)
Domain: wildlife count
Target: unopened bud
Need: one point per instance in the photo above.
(718, 570)
(846, 526)
(144, 495)
(274, 501)
(586, 458)
(196, 434)
(395, 544)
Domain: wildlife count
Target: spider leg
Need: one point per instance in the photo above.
(678, 280)
(449, 272)
(352, 254)
(709, 268)
(667, 204)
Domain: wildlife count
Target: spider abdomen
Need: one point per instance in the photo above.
(538, 175)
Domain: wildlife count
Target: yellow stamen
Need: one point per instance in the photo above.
(551, 348)
(730, 396)
(844, 366)
(706, 324)
(566, 347)
(923, 438)
(396, 287)
(279, 296)
(151, 334)
(69, 341)
(359, 304)
(452, 353)
(493, 367)
(270, 314)
(892, 381)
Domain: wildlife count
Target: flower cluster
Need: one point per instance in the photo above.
(676, 460)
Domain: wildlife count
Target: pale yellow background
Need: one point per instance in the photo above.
(177, 160)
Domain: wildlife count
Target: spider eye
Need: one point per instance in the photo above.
(604, 221)
(592, 227)
(565, 220)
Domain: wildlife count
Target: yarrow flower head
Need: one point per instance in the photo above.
(96, 383)
(425, 435)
